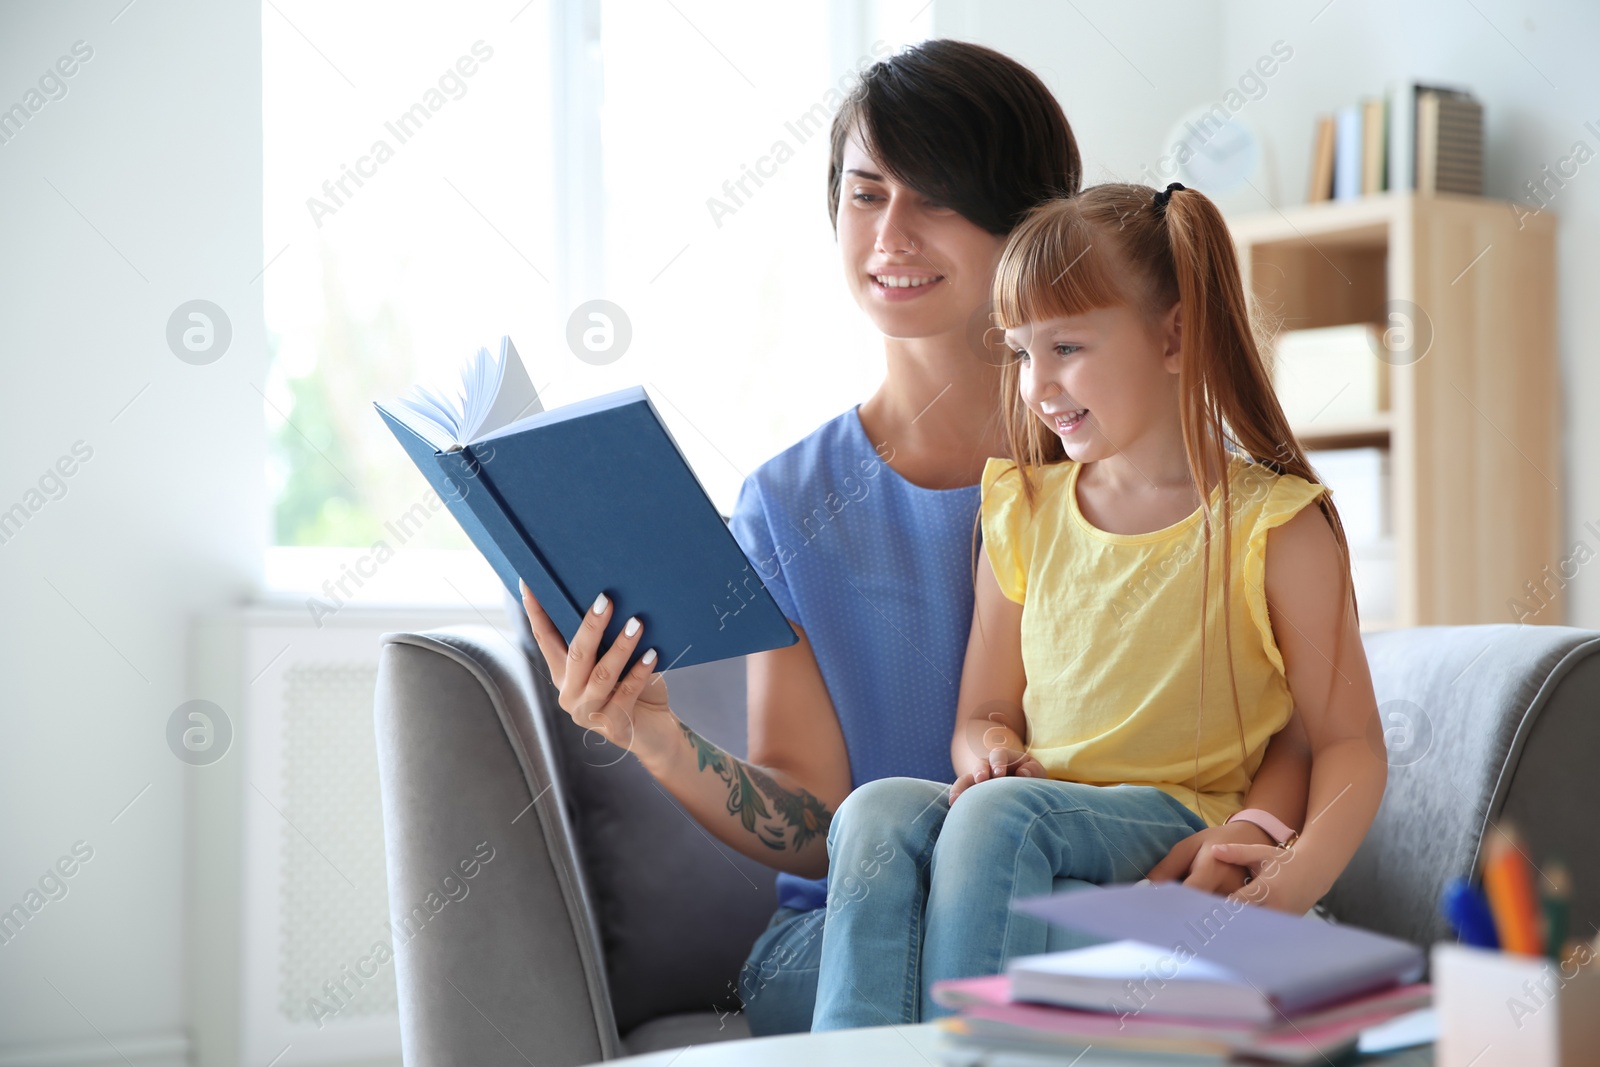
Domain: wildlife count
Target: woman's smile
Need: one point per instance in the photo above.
(898, 284)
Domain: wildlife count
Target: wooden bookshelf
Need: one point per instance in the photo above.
(1473, 429)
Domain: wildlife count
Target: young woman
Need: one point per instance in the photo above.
(862, 531)
(1124, 669)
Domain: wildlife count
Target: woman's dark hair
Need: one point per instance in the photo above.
(963, 125)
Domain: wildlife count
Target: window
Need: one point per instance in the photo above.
(437, 180)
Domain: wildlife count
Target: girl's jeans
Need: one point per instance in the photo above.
(919, 891)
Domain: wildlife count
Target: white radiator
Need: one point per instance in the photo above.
(291, 947)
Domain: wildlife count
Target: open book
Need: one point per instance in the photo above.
(589, 497)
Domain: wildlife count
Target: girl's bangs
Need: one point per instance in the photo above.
(1053, 267)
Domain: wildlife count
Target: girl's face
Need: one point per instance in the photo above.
(1101, 380)
(916, 267)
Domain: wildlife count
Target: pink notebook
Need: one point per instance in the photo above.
(988, 1014)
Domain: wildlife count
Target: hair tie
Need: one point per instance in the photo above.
(1166, 194)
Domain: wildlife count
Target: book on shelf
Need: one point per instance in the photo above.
(1449, 142)
(1321, 187)
(1347, 153)
(1374, 137)
(1435, 132)
(590, 497)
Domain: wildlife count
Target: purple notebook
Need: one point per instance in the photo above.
(1299, 964)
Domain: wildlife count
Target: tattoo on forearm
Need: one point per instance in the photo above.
(800, 816)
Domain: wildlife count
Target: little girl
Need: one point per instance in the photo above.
(1135, 642)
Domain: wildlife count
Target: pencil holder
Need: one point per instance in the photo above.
(1497, 1009)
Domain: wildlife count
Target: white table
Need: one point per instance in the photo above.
(878, 1046)
(890, 1046)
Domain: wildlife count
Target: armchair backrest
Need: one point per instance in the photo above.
(678, 910)
(1480, 723)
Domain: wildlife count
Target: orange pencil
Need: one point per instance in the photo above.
(1509, 886)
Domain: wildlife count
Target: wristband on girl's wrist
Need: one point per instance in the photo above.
(1269, 824)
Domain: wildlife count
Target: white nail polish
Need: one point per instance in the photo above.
(648, 657)
(599, 603)
(632, 627)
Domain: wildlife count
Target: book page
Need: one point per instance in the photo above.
(508, 397)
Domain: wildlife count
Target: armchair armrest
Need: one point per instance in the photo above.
(504, 966)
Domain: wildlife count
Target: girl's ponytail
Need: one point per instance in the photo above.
(1226, 392)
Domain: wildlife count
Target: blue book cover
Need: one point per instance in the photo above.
(1347, 153)
(597, 497)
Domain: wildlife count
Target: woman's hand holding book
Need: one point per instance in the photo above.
(627, 708)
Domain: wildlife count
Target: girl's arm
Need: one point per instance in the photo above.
(1314, 625)
(990, 735)
(1284, 777)
(1279, 788)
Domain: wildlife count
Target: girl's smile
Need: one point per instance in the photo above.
(1104, 381)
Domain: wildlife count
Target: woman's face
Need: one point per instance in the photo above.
(916, 267)
(1100, 380)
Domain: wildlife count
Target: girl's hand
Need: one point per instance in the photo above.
(1273, 882)
(622, 710)
(1001, 762)
(1194, 860)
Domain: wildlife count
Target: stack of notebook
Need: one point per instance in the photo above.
(1190, 977)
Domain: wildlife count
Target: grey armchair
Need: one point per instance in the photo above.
(609, 923)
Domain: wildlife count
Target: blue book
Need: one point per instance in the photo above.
(1347, 153)
(591, 497)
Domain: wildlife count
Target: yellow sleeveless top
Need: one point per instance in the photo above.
(1111, 635)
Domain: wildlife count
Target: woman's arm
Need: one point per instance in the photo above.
(1314, 625)
(990, 734)
(773, 807)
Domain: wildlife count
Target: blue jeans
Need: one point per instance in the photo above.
(920, 891)
(778, 983)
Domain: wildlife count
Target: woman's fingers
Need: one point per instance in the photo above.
(625, 697)
(581, 653)
(552, 646)
(608, 669)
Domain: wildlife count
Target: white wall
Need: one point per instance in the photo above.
(1124, 72)
(137, 191)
